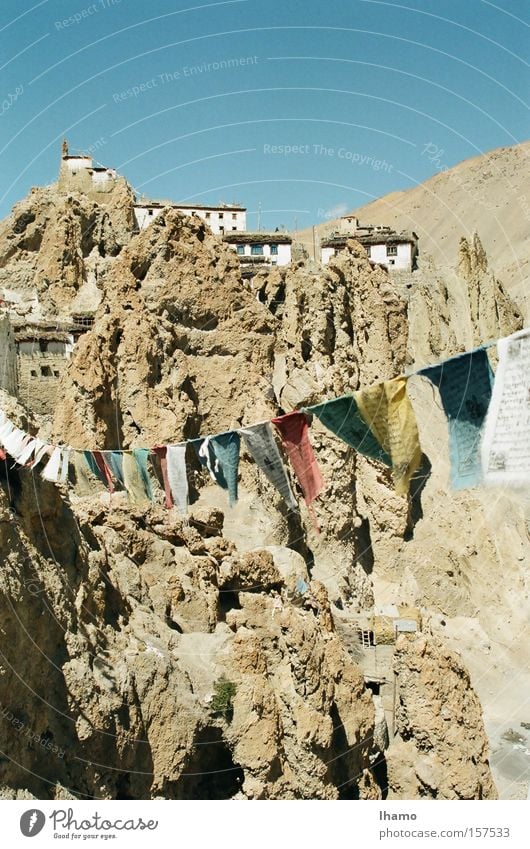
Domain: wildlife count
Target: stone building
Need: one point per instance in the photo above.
(42, 351)
(78, 173)
(371, 640)
(8, 357)
(395, 251)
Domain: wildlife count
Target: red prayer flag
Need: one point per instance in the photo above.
(294, 432)
(161, 453)
(104, 469)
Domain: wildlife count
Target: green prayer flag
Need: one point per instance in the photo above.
(342, 417)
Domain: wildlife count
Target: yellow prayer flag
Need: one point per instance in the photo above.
(387, 411)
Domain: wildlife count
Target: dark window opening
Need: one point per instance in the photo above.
(46, 371)
(228, 600)
(274, 250)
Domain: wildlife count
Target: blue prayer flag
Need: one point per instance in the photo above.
(465, 384)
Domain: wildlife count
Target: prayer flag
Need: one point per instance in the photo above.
(141, 456)
(177, 476)
(294, 432)
(341, 416)
(114, 461)
(262, 446)
(506, 443)
(464, 383)
(132, 480)
(161, 453)
(104, 469)
(52, 469)
(388, 413)
(226, 447)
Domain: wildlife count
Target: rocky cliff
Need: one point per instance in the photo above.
(165, 658)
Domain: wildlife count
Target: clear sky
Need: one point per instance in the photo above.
(304, 108)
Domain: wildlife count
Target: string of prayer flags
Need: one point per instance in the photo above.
(464, 384)
(506, 443)
(262, 447)
(294, 432)
(341, 416)
(177, 476)
(387, 411)
(378, 422)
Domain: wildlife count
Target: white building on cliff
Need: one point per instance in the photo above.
(395, 251)
(224, 218)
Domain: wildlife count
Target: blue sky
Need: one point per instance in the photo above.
(298, 107)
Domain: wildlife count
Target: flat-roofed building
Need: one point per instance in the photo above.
(224, 218)
(260, 250)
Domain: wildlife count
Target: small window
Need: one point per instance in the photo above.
(150, 211)
(234, 228)
(208, 215)
(221, 229)
(241, 249)
(33, 372)
(234, 216)
(274, 250)
(221, 215)
(46, 371)
(256, 250)
(56, 374)
(391, 250)
(83, 320)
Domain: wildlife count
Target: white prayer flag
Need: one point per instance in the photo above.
(264, 450)
(506, 443)
(52, 469)
(177, 476)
